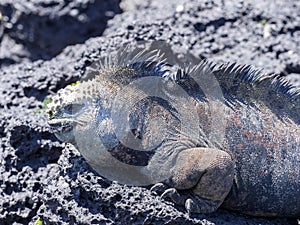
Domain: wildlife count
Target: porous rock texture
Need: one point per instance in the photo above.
(39, 29)
(42, 177)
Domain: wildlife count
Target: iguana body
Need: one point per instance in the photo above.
(240, 150)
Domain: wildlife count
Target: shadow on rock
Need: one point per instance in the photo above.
(33, 148)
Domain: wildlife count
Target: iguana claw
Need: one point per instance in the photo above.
(174, 195)
(159, 188)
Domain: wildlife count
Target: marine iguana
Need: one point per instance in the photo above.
(140, 119)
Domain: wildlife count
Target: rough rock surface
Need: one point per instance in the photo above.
(39, 29)
(39, 176)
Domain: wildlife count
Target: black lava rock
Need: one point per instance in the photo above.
(42, 177)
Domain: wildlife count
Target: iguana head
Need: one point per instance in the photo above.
(79, 106)
(86, 105)
(64, 112)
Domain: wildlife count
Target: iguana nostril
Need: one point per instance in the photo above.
(50, 113)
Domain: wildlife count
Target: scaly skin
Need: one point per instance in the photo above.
(239, 151)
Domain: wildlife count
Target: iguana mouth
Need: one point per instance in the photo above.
(63, 125)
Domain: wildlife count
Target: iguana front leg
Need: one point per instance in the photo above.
(205, 175)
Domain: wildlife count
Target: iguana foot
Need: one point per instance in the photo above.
(169, 193)
(186, 198)
(202, 178)
(200, 205)
(174, 196)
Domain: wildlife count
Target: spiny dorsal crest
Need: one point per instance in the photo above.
(123, 66)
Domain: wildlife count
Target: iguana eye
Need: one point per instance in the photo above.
(73, 109)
